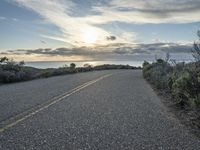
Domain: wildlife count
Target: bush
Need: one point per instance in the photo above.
(46, 74)
(72, 66)
(11, 71)
(182, 80)
(7, 76)
(157, 73)
(186, 87)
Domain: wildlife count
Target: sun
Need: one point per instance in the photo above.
(89, 36)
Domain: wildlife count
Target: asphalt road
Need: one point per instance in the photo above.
(95, 110)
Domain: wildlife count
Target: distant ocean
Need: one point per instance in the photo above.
(57, 64)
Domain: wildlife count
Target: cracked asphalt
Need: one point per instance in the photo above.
(120, 111)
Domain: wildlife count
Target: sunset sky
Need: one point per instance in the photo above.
(41, 30)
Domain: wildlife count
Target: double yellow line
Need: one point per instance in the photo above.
(4, 125)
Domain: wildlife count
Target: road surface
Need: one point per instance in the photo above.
(98, 110)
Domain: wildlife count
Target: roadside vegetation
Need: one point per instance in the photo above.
(11, 71)
(181, 80)
(179, 85)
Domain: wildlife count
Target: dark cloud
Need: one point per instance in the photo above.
(116, 51)
(154, 48)
(163, 9)
(111, 38)
(43, 42)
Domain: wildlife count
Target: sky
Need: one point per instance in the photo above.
(82, 30)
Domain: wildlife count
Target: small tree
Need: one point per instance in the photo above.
(87, 66)
(21, 63)
(196, 49)
(72, 66)
(4, 60)
(167, 57)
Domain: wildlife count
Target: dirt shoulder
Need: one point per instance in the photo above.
(189, 117)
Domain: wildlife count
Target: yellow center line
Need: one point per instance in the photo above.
(34, 110)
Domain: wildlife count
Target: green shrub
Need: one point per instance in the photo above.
(146, 70)
(186, 87)
(72, 66)
(182, 80)
(46, 74)
(157, 73)
(180, 88)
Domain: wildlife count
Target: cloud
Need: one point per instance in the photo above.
(2, 18)
(149, 11)
(111, 38)
(15, 19)
(58, 12)
(106, 52)
(72, 17)
(154, 48)
(43, 42)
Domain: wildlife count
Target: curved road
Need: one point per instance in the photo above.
(96, 110)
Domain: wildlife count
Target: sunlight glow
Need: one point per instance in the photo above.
(89, 35)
